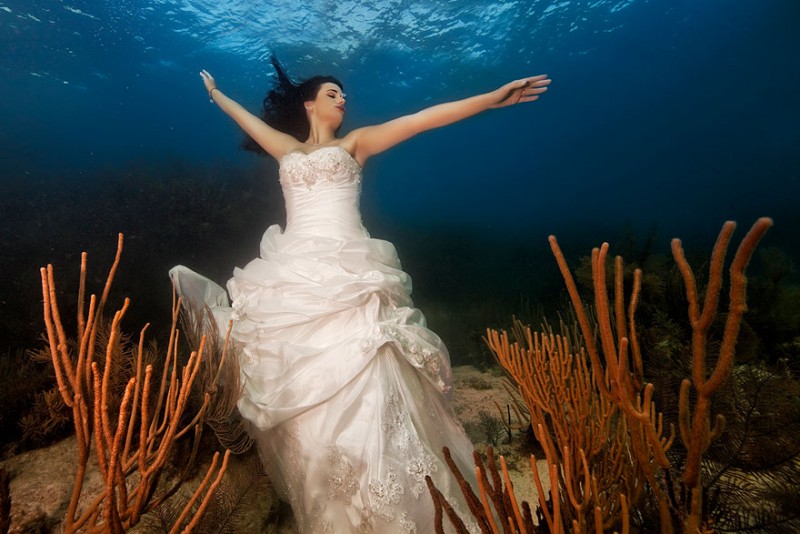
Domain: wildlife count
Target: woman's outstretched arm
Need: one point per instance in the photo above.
(274, 142)
(375, 139)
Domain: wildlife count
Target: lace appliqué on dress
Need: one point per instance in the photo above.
(408, 526)
(327, 164)
(385, 495)
(425, 356)
(420, 463)
(342, 481)
(343, 485)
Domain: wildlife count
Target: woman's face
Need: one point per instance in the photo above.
(328, 106)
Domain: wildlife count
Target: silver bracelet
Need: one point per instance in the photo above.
(210, 93)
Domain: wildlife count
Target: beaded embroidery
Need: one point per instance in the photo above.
(408, 526)
(342, 481)
(385, 495)
(420, 462)
(331, 164)
(425, 357)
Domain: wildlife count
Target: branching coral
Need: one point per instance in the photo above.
(695, 424)
(133, 439)
(581, 431)
(580, 412)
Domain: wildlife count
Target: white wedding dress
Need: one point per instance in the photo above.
(345, 389)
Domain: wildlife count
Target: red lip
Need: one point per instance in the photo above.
(340, 108)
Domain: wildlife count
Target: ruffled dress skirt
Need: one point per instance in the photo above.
(345, 389)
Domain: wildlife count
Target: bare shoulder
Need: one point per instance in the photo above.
(288, 145)
(350, 143)
(372, 140)
(361, 142)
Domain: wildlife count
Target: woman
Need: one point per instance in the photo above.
(345, 389)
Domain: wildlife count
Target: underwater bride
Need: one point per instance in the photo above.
(345, 390)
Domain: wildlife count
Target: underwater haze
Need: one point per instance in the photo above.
(672, 115)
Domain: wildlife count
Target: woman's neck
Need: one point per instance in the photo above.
(320, 135)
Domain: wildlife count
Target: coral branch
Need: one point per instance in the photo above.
(603, 438)
(110, 422)
(698, 434)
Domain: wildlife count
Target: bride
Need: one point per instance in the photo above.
(345, 389)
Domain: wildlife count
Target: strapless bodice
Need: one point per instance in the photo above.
(322, 191)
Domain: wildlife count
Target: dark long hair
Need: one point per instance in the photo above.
(283, 105)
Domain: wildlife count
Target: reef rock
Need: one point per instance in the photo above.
(41, 485)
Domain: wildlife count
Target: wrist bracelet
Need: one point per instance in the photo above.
(210, 94)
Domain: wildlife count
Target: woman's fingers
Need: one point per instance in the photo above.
(527, 89)
(538, 78)
(208, 81)
(528, 99)
(535, 85)
(538, 83)
(534, 91)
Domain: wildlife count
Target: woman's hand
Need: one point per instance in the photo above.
(518, 91)
(208, 81)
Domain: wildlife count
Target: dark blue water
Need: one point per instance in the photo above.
(667, 114)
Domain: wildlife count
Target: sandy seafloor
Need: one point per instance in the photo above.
(471, 396)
